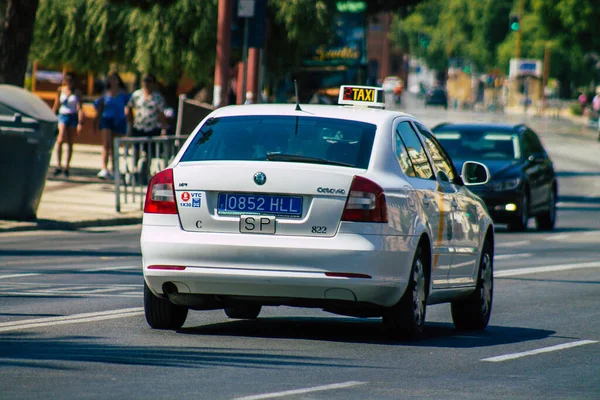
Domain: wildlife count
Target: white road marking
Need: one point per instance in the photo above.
(514, 244)
(513, 356)
(16, 276)
(70, 319)
(509, 256)
(591, 233)
(273, 395)
(548, 268)
(112, 268)
(67, 294)
(558, 237)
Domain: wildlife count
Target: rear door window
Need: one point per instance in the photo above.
(284, 139)
(415, 149)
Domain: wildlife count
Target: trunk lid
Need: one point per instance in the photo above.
(263, 197)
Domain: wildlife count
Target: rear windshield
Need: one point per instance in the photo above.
(283, 138)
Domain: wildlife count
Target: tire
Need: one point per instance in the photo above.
(161, 313)
(519, 224)
(406, 319)
(473, 313)
(249, 311)
(547, 220)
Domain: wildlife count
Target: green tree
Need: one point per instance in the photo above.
(456, 29)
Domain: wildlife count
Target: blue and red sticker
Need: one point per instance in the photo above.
(191, 199)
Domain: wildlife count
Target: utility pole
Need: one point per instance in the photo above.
(546, 74)
(519, 31)
(223, 52)
(246, 11)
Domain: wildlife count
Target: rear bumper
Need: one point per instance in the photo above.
(279, 266)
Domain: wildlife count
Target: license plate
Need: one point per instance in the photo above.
(257, 224)
(280, 206)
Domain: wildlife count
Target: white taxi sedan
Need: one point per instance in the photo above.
(352, 209)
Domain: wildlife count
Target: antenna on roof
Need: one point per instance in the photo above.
(297, 99)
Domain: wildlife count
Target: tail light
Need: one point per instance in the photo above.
(366, 202)
(160, 197)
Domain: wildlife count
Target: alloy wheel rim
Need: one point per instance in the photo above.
(418, 292)
(486, 283)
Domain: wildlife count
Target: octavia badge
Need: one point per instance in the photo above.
(260, 178)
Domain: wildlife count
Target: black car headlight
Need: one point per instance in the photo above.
(507, 184)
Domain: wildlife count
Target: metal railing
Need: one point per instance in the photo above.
(136, 159)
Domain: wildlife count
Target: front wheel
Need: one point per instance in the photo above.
(473, 313)
(547, 220)
(161, 313)
(406, 319)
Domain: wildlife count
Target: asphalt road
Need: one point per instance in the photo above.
(72, 324)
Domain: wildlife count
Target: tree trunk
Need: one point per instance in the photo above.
(16, 34)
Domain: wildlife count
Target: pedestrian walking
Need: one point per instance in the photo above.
(110, 119)
(596, 108)
(145, 111)
(70, 120)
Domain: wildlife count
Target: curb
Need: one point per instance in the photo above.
(53, 225)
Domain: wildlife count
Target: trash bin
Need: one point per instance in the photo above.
(28, 130)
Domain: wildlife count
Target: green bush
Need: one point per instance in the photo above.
(576, 109)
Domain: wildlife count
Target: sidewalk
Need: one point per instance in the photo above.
(80, 201)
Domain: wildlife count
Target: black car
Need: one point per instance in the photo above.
(436, 97)
(522, 184)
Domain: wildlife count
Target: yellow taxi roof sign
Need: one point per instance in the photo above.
(365, 96)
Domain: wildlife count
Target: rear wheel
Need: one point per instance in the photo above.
(519, 224)
(249, 311)
(547, 220)
(161, 313)
(473, 313)
(406, 319)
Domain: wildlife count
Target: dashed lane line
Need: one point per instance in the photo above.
(510, 256)
(514, 244)
(273, 395)
(67, 294)
(558, 237)
(548, 268)
(514, 356)
(71, 319)
(16, 276)
(123, 268)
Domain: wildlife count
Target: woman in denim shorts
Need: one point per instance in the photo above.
(110, 118)
(70, 120)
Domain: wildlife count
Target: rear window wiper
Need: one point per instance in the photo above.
(304, 159)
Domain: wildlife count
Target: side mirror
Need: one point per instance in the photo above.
(474, 173)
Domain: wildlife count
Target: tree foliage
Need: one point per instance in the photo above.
(477, 31)
(169, 40)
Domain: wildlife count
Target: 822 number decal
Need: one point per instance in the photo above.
(318, 229)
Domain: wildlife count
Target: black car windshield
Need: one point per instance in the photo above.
(284, 139)
(480, 145)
